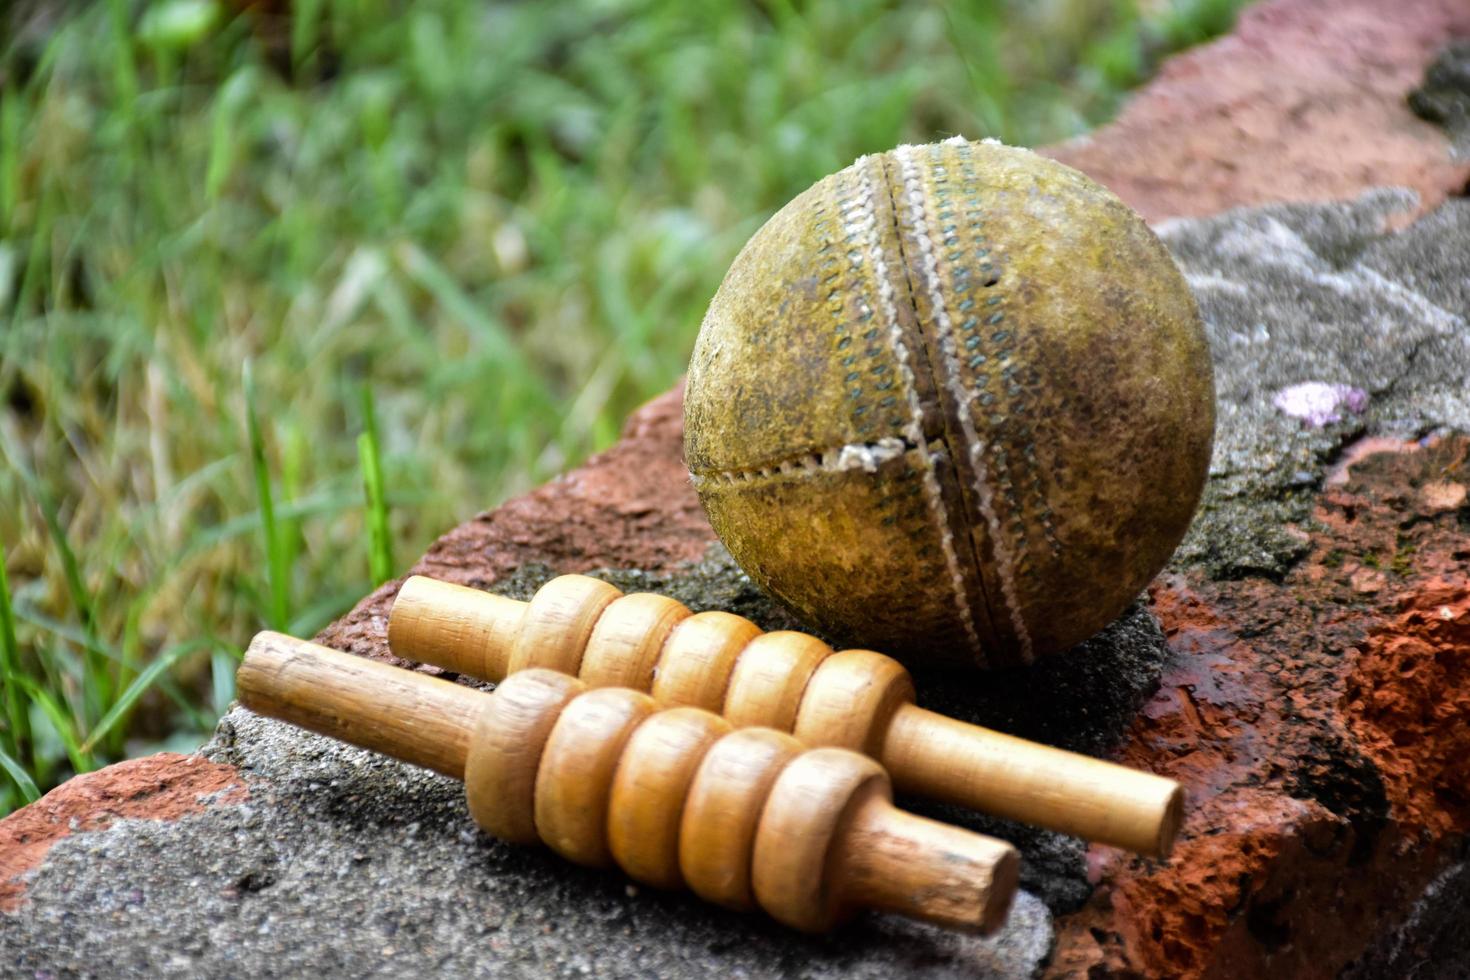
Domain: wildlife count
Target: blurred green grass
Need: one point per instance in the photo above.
(287, 289)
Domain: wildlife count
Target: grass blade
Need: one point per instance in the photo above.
(65, 727)
(138, 688)
(10, 131)
(380, 555)
(293, 463)
(20, 777)
(124, 71)
(225, 129)
(96, 683)
(17, 721)
(306, 18)
(277, 568)
(223, 662)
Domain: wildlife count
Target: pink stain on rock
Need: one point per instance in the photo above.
(1317, 403)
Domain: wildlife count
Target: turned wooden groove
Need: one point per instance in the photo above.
(746, 818)
(853, 699)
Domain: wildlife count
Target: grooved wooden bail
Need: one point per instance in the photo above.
(855, 699)
(745, 818)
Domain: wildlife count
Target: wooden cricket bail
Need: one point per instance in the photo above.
(674, 797)
(744, 818)
(855, 699)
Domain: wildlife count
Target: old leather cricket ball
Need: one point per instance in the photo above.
(954, 403)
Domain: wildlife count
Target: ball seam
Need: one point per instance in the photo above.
(914, 198)
(932, 491)
(867, 456)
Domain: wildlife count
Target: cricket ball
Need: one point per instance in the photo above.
(954, 403)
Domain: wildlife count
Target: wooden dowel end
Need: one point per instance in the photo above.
(931, 755)
(409, 716)
(927, 870)
(460, 629)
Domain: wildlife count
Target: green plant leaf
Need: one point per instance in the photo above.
(145, 679)
(20, 777)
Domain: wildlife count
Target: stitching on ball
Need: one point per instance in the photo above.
(1005, 377)
(914, 430)
(867, 456)
(913, 193)
(854, 205)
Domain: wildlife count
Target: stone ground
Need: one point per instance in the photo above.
(1303, 666)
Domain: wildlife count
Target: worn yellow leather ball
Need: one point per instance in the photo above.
(953, 402)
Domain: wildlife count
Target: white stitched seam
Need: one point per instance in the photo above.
(906, 375)
(867, 456)
(913, 192)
